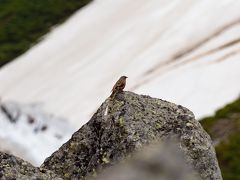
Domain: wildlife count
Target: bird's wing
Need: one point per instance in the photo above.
(116, 85)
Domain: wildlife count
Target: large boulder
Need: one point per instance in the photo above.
(12, 167)
(125, 124)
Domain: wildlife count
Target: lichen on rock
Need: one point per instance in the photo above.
(12, 167)
(127, 123)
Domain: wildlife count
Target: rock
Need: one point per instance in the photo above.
(12, 167)
(158, 161)
(124, 125)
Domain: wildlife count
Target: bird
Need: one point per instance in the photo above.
(119, 86)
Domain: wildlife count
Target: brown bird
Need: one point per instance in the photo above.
(119, 86)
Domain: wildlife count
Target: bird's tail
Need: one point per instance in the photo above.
(113, 94)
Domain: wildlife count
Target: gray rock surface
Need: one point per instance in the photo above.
(12, 168)
(154, 162)
(124, 125)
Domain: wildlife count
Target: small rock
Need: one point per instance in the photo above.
(12, 167)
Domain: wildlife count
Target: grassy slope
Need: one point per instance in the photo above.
(23, 22)
(224, 128)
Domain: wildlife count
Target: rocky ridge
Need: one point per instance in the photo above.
(125, 125)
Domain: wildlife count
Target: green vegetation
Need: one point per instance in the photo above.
(224, 128)
(229, 157)
(23, 22)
